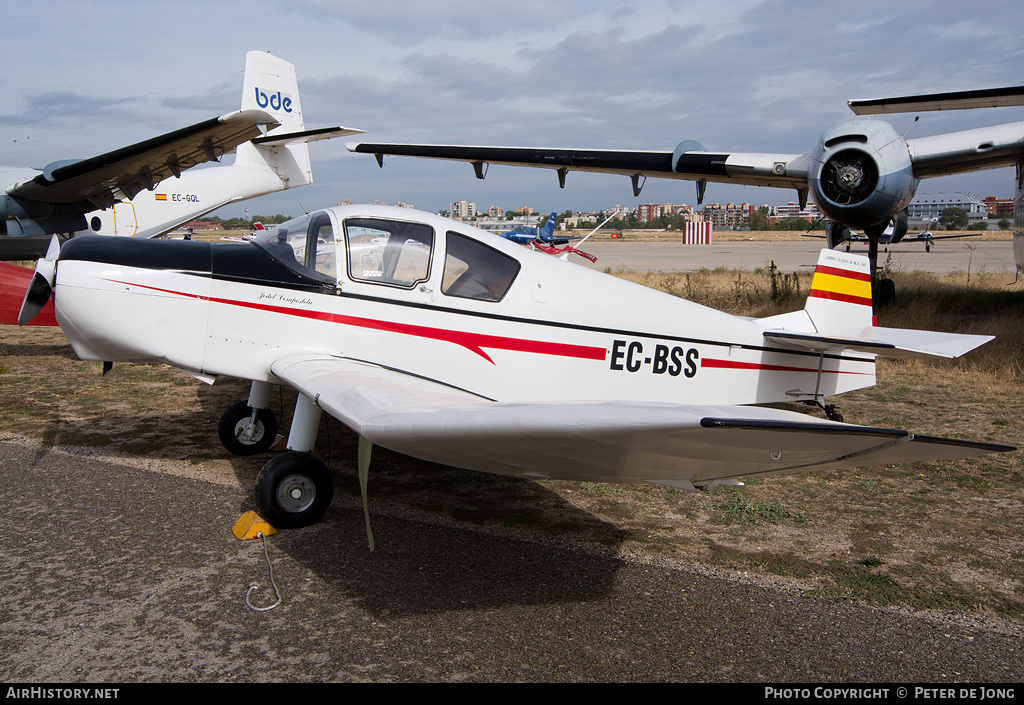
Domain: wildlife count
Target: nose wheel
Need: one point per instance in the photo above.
(247, 431)
(294, 490)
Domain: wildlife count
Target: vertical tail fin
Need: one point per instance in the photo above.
(548, 232)
(270, 85)
(840, 296)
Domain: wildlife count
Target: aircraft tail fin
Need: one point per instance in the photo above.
(839, 316)
(840, 295)
(270, 85)
(548, 231)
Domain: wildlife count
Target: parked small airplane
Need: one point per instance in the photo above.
(524, 234)
(892, 235)
(129, 190)
(543, 239)
(861, 173)
(424, 335)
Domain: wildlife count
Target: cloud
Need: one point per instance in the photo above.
(750, 75)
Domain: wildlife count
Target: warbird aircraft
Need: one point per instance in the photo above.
(424, 335)
(861, 173)
(129, 191)
(525, 234)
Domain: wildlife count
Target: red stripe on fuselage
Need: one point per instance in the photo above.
(474, 342)
(736, 365)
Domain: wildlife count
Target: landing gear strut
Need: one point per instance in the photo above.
(831, 413)
(883, 291)
(249, 427)
(295, 488)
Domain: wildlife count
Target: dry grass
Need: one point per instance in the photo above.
(946, 535)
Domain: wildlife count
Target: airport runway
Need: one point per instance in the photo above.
(793, 255)
(118, 574)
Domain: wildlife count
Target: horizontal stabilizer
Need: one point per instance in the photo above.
(887, 342)
(323, 133)
(838, 316)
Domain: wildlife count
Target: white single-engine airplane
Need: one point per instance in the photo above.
(129, 191)
(861, 173)
(423, 335)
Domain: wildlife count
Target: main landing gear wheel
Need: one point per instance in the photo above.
(241, 436)
(884, 293)
(294, 490)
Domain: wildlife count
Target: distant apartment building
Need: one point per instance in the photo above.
(495, 212)
(928, 206)
(462, 209)
(647, 212)
(998, 206)
(793, 210)
(728, 215)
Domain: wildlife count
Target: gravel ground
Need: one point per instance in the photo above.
(127, 571)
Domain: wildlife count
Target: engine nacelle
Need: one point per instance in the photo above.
(861, 174)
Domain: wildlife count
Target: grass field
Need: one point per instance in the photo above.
(946, 536)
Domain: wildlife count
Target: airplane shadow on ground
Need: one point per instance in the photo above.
(445, 538)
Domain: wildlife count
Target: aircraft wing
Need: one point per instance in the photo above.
(677, 445)
(105, 179)
(954, 100)
(756, 169)
(928, 236)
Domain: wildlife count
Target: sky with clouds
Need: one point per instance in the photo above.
(81, 78)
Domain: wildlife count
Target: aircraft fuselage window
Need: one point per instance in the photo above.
(472, 270)
(305, 245)
(320, 253)
(388, 251)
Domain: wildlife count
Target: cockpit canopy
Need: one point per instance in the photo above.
(305, 245)
(389, 252)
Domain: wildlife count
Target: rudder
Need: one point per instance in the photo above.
(271, 85)
(840, 295)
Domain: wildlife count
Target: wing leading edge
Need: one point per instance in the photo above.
(755, 169)
(676, 445)
(123, 173)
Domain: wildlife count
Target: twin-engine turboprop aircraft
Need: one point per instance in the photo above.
(861, 173)
(424, 335)
(130, 192)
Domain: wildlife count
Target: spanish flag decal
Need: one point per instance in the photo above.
(841, 284)
(160, 196)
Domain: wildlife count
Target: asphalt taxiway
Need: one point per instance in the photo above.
(791, 255)
(121, 573)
